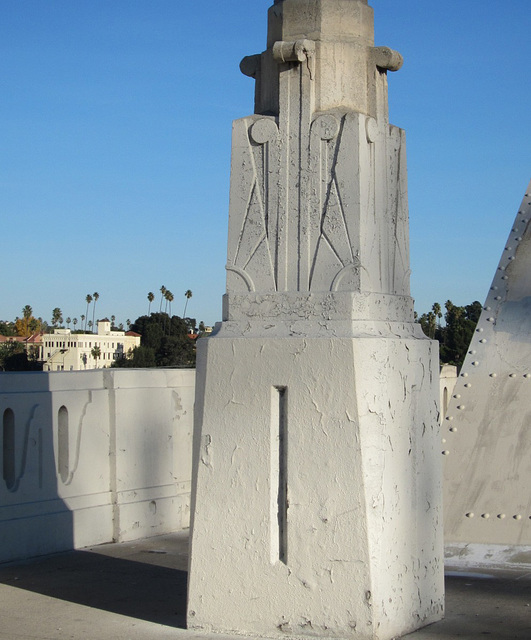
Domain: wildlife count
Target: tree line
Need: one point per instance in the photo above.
(29, 325)
(456, 333)
(166, 342)
(165, 338)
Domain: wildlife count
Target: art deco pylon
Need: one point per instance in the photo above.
(316, 481)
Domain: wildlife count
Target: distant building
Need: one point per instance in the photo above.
(33, 339)
(67, 351)
(31, 343)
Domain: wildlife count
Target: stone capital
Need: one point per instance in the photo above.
(347, 70)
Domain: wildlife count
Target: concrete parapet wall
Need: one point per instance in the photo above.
(126, 463)
(92, 457)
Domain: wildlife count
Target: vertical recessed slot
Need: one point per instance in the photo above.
(63, 444)
(444, 407)
(8, 446)
(279, 474)
(40, 458)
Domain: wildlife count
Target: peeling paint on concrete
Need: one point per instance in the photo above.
(322, 517)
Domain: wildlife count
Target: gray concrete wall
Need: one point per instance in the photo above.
(93, 456)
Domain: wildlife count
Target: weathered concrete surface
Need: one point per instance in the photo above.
(342, 34)
(359, 531)
(137, 591)
(487, 439)
(316, 441)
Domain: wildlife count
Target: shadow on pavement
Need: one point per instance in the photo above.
(142, 588)
(147, 580)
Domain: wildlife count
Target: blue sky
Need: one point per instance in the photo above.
(115, 124)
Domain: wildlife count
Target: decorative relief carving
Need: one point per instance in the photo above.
(334, 249)
(309, 191)
(264, 130)
(251, 259)
(387, 58)
(15, 456)
(331, 238)
(371, 129)
(326, 126)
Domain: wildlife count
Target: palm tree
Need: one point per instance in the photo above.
(438, 313)
(25, 328)
(90, 325)
(74, 322)
(128, 323)
(57, 317)
(82, 322)
(167, 293)
(162, 291)
(188, 295)
(169, 297)
(150, 297)
(170, 300)
(88, 300)
(96, 353)
(113, 318)
(34, 325)
(96, 296)
(68, 321)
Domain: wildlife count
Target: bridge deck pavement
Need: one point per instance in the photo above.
(137, 591)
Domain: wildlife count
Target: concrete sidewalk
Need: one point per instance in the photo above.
(137, 590)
